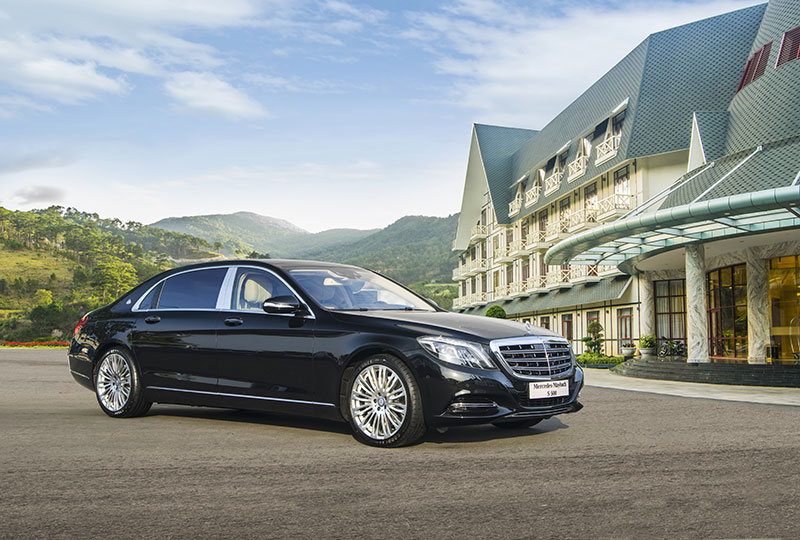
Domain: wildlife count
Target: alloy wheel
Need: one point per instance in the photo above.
(114, 382)
(378, 402)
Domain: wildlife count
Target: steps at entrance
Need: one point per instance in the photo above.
(739, 374)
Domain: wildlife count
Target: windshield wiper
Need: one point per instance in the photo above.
(353, 309)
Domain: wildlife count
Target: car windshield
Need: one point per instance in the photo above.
(356, 289)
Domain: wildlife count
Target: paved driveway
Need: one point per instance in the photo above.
(629, 465)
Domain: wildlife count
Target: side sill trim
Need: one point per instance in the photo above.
(79, 374)
(223, 394)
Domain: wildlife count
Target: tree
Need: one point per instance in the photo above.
(594, 341)
(114, 277)
(42, 297)
(496, 312)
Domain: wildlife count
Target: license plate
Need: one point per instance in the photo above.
(548, 389)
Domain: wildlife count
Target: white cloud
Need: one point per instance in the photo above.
(522, 65)
(208, 93)
(18, 161)
(39, 194)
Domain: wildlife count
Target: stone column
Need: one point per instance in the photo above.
(757, 308)
(647, 315)
(696, 312)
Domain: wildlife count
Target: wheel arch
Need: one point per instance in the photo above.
(349, 366)
(104, 348)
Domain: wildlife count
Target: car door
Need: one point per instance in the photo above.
(175, 337)
(265, 357)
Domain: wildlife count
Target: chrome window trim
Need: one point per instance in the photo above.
(225, 294)
(246, 396)
(230, 308)
(135, 307)
(495, 345)
(226, 289)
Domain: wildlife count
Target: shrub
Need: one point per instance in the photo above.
(497, 312)
(647, 342)
(592, 358)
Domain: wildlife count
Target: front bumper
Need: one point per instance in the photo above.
(465, 396)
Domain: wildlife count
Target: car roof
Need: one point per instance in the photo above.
(283, 264)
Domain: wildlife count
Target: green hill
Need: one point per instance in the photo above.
(412, 249)
(245, 232)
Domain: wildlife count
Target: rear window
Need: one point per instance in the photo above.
(198, 289)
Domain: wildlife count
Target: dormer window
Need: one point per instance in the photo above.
(790, 47)
(755, 66)
(577, 167)
(611, 131)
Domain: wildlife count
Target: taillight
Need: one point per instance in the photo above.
(80, 325)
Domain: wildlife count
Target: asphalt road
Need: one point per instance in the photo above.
(629, 465)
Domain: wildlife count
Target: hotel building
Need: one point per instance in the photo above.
(663, 200)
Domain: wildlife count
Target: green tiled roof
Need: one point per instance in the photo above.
(665, 79)
(497, 144)
(713, 128)
(694, 67)
(585, 293)
(776, 165)
(768, 108)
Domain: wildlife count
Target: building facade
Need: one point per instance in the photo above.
(664, 200)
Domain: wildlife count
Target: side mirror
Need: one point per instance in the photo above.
(283, 304)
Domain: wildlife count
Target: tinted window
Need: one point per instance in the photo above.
(192, 290)
(148, 302)
(253, 286)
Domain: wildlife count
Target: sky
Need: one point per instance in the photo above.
(326, 113)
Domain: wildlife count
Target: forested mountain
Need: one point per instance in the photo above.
(243, 232)
(410, 250)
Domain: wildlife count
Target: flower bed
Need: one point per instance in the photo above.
(29, 344)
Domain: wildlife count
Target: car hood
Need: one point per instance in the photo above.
(455, 324)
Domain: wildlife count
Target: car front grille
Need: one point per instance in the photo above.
(535, 358)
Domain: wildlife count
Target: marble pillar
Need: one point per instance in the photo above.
(647, 315)
(757, 308)
(696, 312)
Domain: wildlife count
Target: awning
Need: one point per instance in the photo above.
(581, 294)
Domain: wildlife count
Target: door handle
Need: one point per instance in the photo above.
(233, 321)
(153, 319)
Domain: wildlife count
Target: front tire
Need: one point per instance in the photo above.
(383, 403)
(117, 385)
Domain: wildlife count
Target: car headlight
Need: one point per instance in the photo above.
(456, 351)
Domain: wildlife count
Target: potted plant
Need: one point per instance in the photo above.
(647, 345)
(627, 348)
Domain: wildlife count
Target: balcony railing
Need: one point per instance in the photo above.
(532, 195)
(515, 205)
(519, 248)
(615, 204)
(476, 265)
(479, 232)
(581, 219)
(502, 254)
(559, 277)
(583, 272)
(577, 168)
(556, 227)
(458, 273)
(552, 182)
(536, 283)
(607, 149)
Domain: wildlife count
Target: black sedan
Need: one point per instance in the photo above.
(318, 339)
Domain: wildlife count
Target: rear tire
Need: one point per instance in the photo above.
(383, 403)
(518, 424)
(117, 385)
